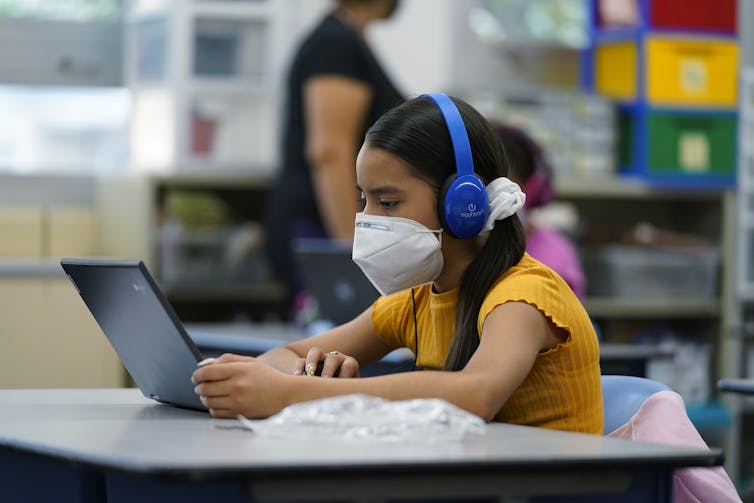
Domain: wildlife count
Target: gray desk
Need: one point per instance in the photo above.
(115, 445)
(630, 359)
(30, 268)
(214, 339)
(742, 386)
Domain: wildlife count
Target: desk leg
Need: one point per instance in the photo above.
(35, 479)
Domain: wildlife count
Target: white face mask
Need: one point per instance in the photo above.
(396, 253)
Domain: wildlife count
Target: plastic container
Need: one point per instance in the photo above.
(669, 71)
(683, 15)
(678, 147)
(713, 15)
(639, 272)
(228, 255)
(691, 71)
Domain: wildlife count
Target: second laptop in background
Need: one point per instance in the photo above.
(337, 284)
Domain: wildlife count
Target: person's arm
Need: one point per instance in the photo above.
(355, 342)
(513, 335)
(335, 109)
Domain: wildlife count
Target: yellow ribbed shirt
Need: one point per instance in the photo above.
(563, 389)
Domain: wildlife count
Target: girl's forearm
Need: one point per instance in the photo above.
(281, 358)
(468, 391)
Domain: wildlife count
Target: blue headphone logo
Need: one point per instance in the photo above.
(463, 200)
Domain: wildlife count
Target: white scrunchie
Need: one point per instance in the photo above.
(506, 198)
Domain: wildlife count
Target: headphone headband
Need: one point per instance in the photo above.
(463, 203)
(459, 138)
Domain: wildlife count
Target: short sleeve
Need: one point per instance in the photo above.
(335, 51)
(538, 286)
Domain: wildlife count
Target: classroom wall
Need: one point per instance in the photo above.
(416, 45)
(429, 46)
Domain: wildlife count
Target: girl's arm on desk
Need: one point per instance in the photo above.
(336, 353)
(513, 335)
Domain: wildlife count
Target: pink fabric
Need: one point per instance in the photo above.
(662, 419)
(558, 253)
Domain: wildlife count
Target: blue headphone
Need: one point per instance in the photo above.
(463, 202)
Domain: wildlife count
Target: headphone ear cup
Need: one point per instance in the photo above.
(441, 204)
(463, 205)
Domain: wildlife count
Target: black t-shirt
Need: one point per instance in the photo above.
(332, 48)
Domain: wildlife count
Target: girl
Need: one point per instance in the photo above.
(498, 333)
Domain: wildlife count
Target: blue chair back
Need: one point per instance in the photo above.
(623, 395)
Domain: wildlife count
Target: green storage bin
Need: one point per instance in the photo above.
(678, 147)
(692, 143)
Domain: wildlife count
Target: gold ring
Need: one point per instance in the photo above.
(333, 353)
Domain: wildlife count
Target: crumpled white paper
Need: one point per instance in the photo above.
(363, 417)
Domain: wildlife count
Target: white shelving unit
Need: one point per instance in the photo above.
(205, 76)
(746, 188)
(133, 211)
(741, 363)
(614, 206)
(618, 204)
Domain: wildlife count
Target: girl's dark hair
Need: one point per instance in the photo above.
(415, 131)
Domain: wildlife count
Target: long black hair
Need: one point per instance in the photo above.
(415, 131)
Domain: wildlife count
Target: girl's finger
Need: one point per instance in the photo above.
(332, 363)
(313, 358)
(298, 367)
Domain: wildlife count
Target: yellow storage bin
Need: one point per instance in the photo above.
(692, 71)
(676, 71)
(615, 70)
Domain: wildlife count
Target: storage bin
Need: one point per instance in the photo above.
(713, 15)
(711, 419)
(230, 48)
(669, 71)
(687, 370)
(641, 272)
(228, 255)
(685, 15)
(615, 67)
(678, 147)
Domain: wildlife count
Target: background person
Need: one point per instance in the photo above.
(530, 169)
(336, 89)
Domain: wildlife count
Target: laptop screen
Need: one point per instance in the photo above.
(140, 325)
(334, 280)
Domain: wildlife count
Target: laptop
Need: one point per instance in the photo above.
(333, 278)
(140, 325)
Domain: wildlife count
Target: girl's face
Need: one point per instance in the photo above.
(388, 189)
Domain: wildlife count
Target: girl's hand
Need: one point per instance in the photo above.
(233, 385)
(330, 364)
